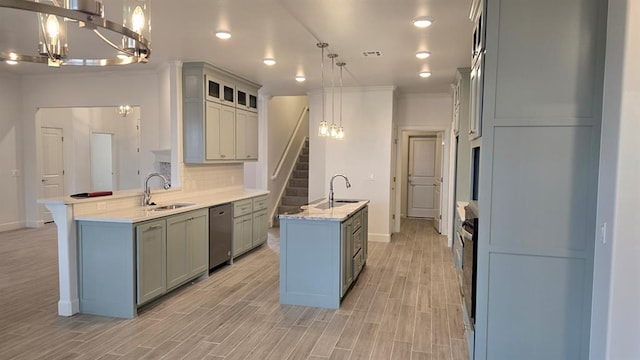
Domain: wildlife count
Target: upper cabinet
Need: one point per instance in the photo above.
(220, 116)
(219, 91)
(477, 68)
(246, 100)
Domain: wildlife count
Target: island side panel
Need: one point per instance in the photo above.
(106, 262)
(310, 263)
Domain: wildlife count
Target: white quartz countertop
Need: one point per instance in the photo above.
(198, 200)
(320, 210)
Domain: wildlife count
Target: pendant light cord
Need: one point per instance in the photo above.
(341, 66)
(322, 74)
(333, 97)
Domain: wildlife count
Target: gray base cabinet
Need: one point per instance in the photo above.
(354, 248)
(123, 266)
(242, 234)
(250, 224)
(260, 227)
(321, 259)
(151, 247)
(187, 247)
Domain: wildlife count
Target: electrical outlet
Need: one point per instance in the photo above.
(370, 178)
(15, 172)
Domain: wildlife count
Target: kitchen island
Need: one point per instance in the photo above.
(322, 251)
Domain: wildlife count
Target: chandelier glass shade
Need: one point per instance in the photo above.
(124, 110)
(56, 17)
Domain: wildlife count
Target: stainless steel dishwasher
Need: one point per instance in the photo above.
(220, 234)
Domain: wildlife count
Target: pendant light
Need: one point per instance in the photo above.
(333, 129)
(323, 129)
(340, 132)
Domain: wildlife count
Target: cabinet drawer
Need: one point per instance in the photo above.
(260, 203)
(357, 221)
(358, 263)
(242, 207)
(357, 240)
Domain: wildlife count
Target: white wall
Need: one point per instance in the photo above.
(364, 155)
(11, 193)
(87, 90)
(283, 115)
(615, 314)
(420, 112)
(425, 110)
(77, 125)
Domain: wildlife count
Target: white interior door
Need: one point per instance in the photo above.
(52, 167)
(437, 220)
(392, 212)
(422, 177)
(102, 173)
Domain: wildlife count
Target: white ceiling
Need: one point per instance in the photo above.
(288, 31)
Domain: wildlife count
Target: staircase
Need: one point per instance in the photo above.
(297, 191)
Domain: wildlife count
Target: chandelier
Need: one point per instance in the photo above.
(54, 15)
(124, 110)
(324, 129)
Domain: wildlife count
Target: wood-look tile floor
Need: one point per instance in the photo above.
(405, 305)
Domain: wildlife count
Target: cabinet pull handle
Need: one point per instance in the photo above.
(155, 227)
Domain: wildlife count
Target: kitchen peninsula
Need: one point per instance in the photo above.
(323, 249)
(103, 269)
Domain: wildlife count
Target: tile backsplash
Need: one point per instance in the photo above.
(194, 178)
(211, 177)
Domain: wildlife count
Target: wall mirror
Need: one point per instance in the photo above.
(89, 149)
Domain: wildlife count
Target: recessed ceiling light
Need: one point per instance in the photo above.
(224, 35)
(424, 74)
(423, 54)
(422, 22)
(269, 61)
(300, 78)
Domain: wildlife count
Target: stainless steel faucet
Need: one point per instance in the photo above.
(147, 192)
(331, 187)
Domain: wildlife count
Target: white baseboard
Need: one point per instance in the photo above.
(35, 223)
(380, 237)
(12, 226)
(68, 308)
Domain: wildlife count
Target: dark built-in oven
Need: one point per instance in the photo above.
(469, 234)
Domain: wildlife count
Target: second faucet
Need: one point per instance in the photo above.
(331, 187)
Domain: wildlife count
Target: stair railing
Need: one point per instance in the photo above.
(286, 150)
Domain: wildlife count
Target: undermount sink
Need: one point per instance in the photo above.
(170, 206)
(345, 201)
(325, 206)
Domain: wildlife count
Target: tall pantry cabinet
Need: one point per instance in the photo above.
(540, 105)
